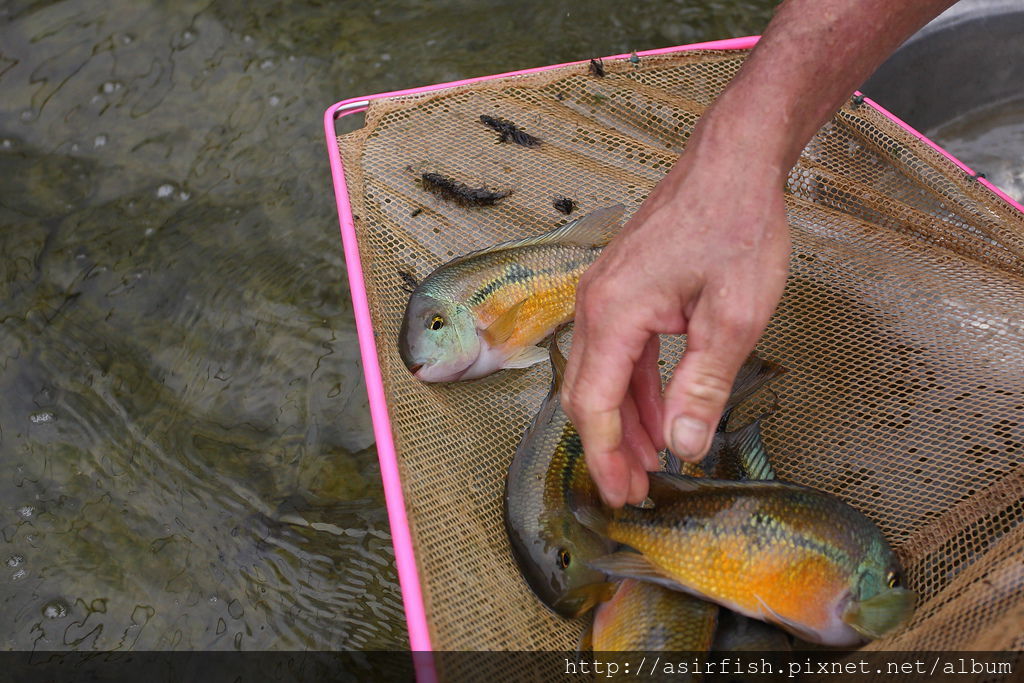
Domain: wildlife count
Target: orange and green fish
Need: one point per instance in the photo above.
(548, 471)
(644, 616)
(547, 479)
(737, 633)
(791, 555)
(487, 310)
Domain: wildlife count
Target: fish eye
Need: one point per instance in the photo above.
(437, 322)
(564, 558)
(893, 579)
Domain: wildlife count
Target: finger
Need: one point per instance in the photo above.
(716, 347)
(635, 439)
(638, 483)
(612, 473)
(597, 379)
(638, 451)
(645, 387)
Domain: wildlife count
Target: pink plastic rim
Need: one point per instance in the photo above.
(910, 129)
(405, 558)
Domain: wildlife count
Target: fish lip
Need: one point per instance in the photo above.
(418, 370)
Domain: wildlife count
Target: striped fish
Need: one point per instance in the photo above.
(487, 310)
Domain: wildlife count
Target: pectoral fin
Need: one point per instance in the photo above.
(625, 565)
(499, 331)
(799, 630)
(531, 355)
(592, 519)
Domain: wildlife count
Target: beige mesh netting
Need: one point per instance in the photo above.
(901, 327)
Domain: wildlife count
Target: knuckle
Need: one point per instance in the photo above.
(574, 400)
(736, 323)
(595, 287)
(706, 388)
(593, 304)
(584, 402)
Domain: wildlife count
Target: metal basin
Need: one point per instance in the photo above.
(969, 57)
(959, 81)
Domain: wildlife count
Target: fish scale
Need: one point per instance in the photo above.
(729, 559)
(487, 310)
(492, 286)
(643, 615)
(795, 556)
(547, 474)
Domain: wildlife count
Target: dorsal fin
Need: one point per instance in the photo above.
(595, 229)
(716, 464)
(671, 485)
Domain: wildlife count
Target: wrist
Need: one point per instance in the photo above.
(738, 139)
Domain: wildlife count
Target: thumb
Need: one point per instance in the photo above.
(699, 389)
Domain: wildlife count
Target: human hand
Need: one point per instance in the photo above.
(707, 254)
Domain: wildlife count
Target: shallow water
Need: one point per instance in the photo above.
(186, 459)
(990, 140)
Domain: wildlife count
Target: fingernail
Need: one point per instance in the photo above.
(688, 437)
(613, 494)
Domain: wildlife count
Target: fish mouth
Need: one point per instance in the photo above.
(430, 371)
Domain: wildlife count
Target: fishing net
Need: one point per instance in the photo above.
(901, 328)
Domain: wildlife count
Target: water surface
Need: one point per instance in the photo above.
(186, 459)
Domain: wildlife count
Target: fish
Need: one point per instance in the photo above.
(737, 633)
(487, 310)
(780, 552)
(547, 473)
(743, 456)
(644, 617)
(546, 480)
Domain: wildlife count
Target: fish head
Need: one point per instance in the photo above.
(557, 568)
(438, 341)
(879, 603)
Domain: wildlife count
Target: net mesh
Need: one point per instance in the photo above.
(900, 326)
